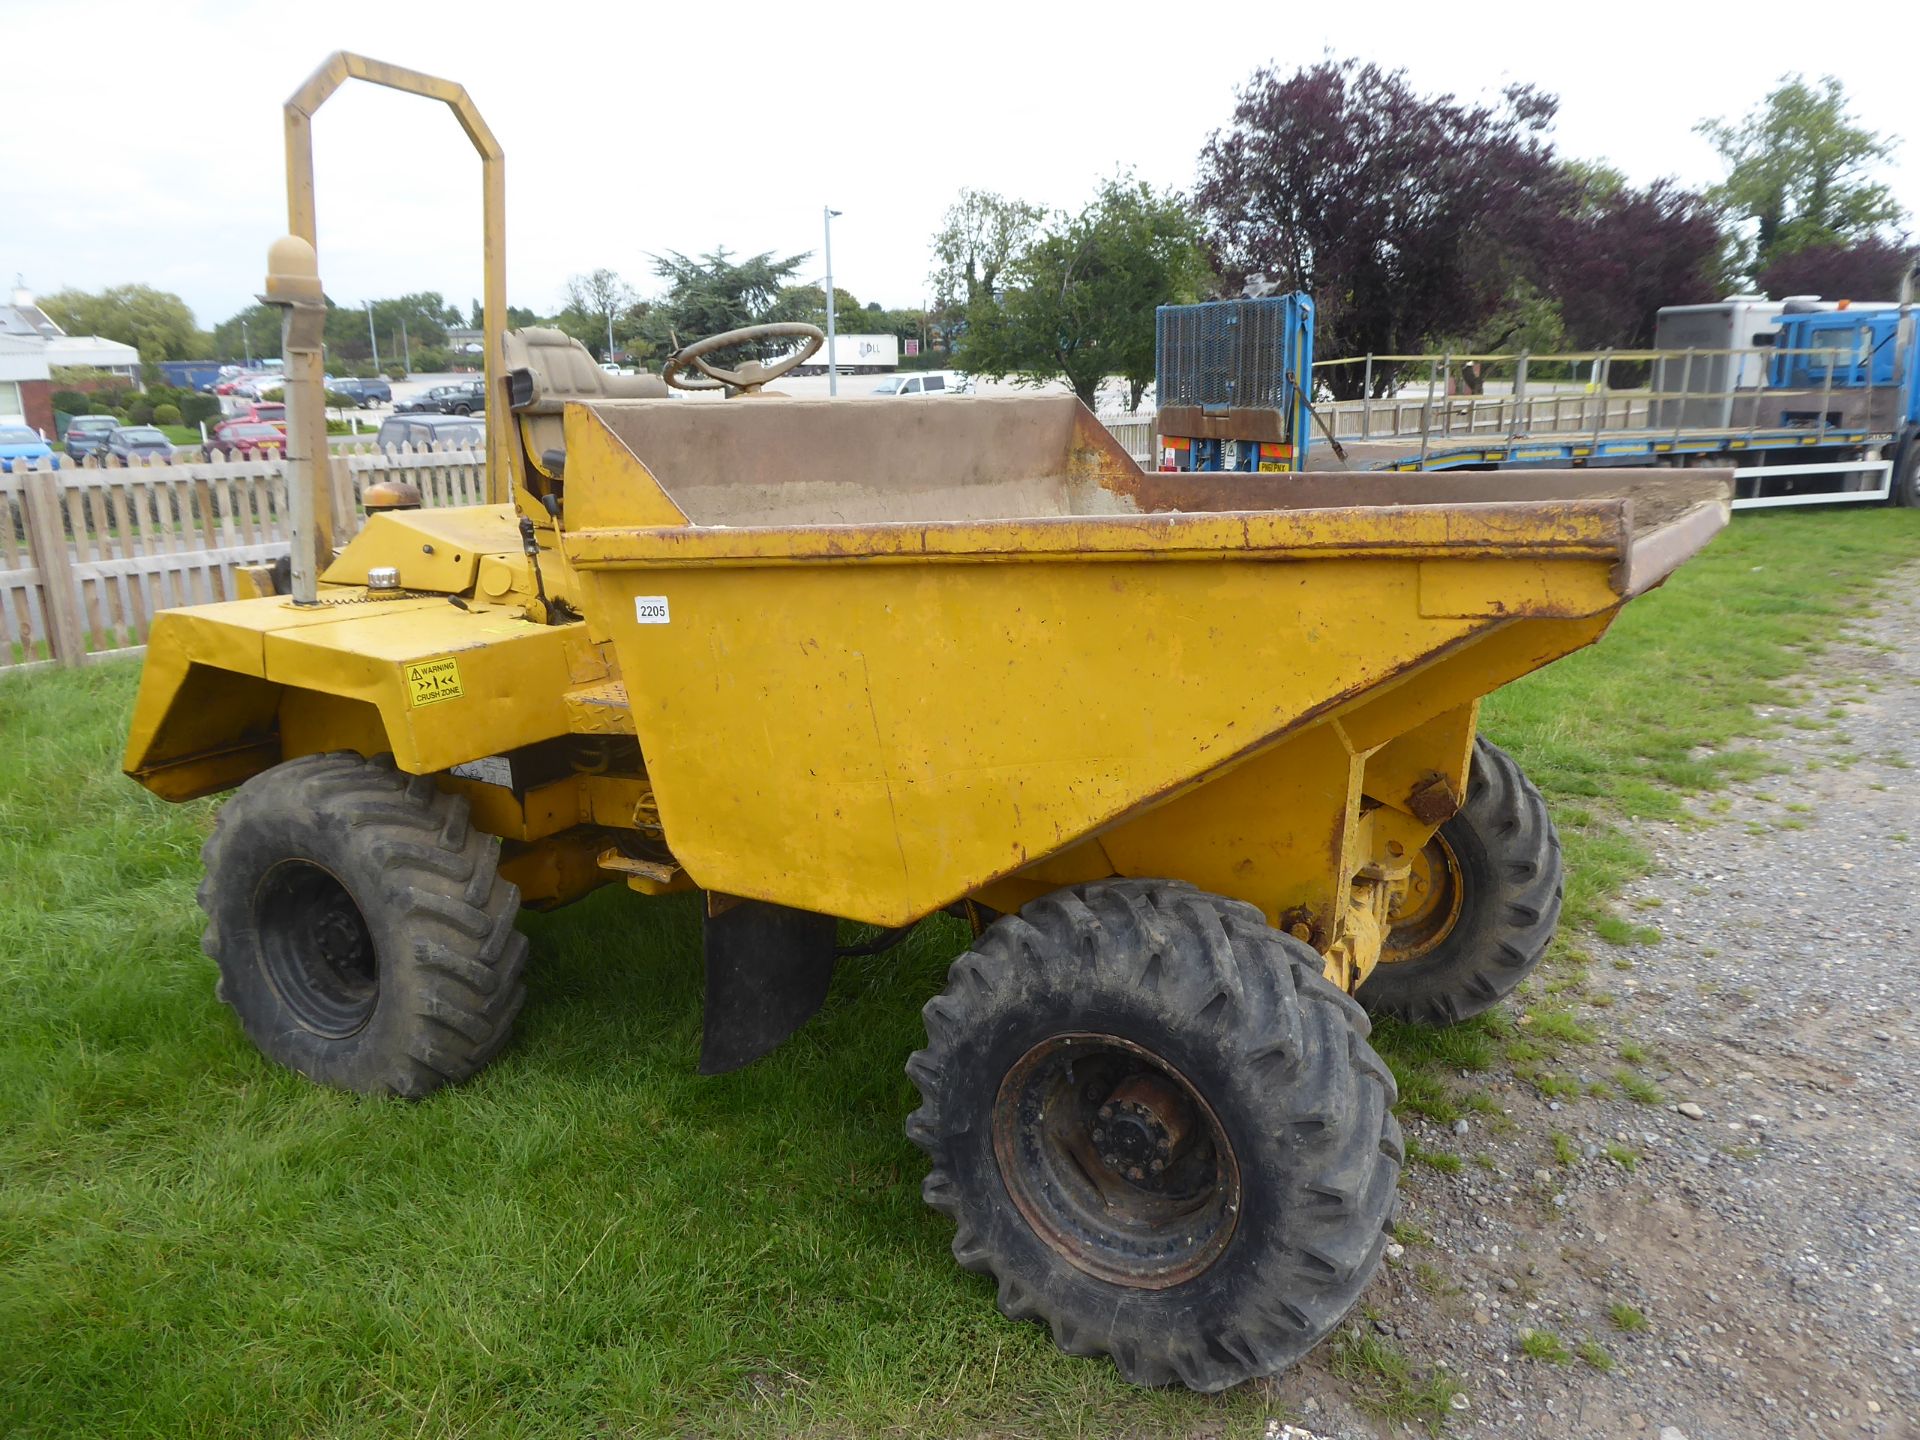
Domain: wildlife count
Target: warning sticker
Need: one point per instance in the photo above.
(432, 681)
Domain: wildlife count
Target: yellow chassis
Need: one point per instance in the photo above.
(1276, 706)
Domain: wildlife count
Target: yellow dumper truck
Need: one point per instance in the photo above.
(1195, 752)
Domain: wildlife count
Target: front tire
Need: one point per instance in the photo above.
(1160, 1129)
(363, 934)
(1489, 902)
(1906, 474)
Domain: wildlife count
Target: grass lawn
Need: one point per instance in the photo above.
(590, 1239)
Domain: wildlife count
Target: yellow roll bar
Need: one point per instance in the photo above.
(300, 107)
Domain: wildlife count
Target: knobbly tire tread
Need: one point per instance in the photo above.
(1513, 879)
(450, 962)
(1906, 474)
(1280, 1054)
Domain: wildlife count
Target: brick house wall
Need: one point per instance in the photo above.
(36, 400)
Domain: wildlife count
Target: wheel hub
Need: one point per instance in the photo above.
(1116, 1160)
(1426, 914)
(1141, 1125)
(340, 936)
(315, 948)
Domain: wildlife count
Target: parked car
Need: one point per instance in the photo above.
(247, 382)
(927, 382)
(368, 392)
(420, 430)
(244, 440)
(466, 397)
(136, 442)
(87, 434)
(266, 413)
(18, 442)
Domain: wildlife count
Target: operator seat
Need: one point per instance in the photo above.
(547, 368)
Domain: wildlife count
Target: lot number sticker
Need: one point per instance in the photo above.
(651, 610)
(432, 681)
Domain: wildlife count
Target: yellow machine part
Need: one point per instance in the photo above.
(875, 719)
(231, 688)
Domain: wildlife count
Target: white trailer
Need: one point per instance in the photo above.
(856, 355)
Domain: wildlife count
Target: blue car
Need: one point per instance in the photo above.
(17, 442)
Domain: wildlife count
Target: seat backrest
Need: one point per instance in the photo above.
(547, 368)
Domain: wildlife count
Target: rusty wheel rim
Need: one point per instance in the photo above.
(1431, 908)
(1116, 1160)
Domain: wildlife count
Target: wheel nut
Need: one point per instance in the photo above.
(1099, 1135)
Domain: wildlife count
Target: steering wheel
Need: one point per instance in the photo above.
(752, 374)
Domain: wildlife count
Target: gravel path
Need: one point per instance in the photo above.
(1769, 1227)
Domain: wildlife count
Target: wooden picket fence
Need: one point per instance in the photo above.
(89, 555)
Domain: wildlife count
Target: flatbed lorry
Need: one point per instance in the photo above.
(1808, 401)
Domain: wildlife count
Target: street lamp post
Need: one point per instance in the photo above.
(372, 339)
(833, 369)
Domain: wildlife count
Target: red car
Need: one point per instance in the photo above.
(244, 440)
(273, 411)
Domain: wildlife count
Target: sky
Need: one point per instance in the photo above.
(633, 129)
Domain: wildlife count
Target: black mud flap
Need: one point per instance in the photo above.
(768, 969)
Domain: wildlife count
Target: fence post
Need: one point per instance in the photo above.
(1519, 398)
(346, 517)
(47, 538)
(1602, 370)
(1426, 417)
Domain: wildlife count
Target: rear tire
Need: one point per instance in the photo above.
(1906, 474)
(1160, 1129)
(1502, 856)
(363, 934)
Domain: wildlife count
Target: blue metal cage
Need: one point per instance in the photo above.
(1232, 352)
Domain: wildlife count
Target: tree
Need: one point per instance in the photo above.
(412, 320)
(157, 323)
(714, 293)
(1619, 253)
(1799, 172)
(1869, 269)
(600, 299)
(807, 305)
(1080, 301)
(254, 331)
(978, 239)
(1396, 212)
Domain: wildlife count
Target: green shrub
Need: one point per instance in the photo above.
(396, 371)
(71, 402)
(199, 409)
(337, 401)
(166, 413)
(140, 411)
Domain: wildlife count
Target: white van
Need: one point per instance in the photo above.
(926, 382)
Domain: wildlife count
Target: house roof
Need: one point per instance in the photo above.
(23, 317)
(92, 350)
(22, 357)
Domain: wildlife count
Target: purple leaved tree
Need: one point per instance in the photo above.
(1401, 215)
